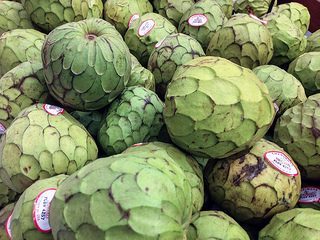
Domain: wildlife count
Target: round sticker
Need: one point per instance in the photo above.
(139, 144)
(8, 227)
(41, 207)
(309, 195)
(2, 129)
(53, 110)
(281, 162)
(146, 27)
(132, 19)
(197, 20)
(159, 43)
(264, 22)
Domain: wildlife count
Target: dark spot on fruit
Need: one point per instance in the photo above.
(146, 189)
(91, 36)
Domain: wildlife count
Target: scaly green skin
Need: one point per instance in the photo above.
(208, 111)
(172, 9)
(136, 116)
(22, 226)
(141, 76)
(297, 223)
(285, 90)
(38, 145)
(187, 163)
(18, 46)
(257, 7)
(289, 41)
(90, 120)
(119, 12)
(249, 188)
(20, 88)
(48, 15)
(13, 16)
(4, 214)
(306, 68)
(142, 45)
(244, 41)
(175, 50)
(203, 34)
(313, 43)
(145, 198)
(207, 225)
(226, 6)
(86, 64)
(6, 195)
(297, 13)
(298, 132)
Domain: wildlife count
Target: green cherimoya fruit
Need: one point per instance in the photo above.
(170, 53)
(226, 6)
(90, 120)
(86, 64)
(4, 215)
(202, 20)
(285, 90)
(257, 7)
(144, 33)
(257, 185)
(208, 111)
(215, 225)
(43, 141)
(123, 197)
(25, 221)
(244, 41)
(48, 15)
(140, 76)
(307, 69)
(134, 117)
(298, 132)
(6, 195)
(13, 16)
(172, 9)
(121, 13)
(310, 197)
(289, 41)
(20, 88)
(298, 223)
(187, 163)
(18, 46)
(297, 13)
(313, 42)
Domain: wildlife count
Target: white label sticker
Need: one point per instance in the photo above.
(8, 227)
(281, 162)
(41, 208)
(309, 195)
(197, 20)
(53, 110)
(2, 129)
(159, 43)
(139, 144)
(146, 27)
(264, 22)
(132, 19)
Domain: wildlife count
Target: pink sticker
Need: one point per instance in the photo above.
(139, 144)
(197, 20)
(2, 129)
(310, 195)
(264, 22)
(159, 43)
(146, 27)
(132, 19)
(8, 227)
(53, 110)
(41, 210)
(281, 162)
